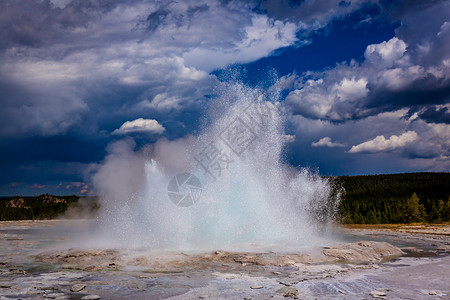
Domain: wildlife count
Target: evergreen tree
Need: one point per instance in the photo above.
(414, 210)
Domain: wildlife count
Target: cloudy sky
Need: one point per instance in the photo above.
(366, 84)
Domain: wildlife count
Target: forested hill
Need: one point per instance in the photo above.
(371, 199)
(396, 198)
(44, 207)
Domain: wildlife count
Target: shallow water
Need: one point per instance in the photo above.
(420, 271)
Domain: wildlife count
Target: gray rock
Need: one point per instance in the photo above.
(90, 297)
(378, 294)
(77, 287)
(288, 291)
(54, 295)
(256, 287)
(363, 252)
(17, 271)
(290, 281)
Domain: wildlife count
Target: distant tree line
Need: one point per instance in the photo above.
(395, 198)
(371, 199)
(40, 207)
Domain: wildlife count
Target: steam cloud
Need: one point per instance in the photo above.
(257, 199)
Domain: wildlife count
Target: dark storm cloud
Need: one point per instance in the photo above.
(395, 101)
(156, 18)
(397, 9)
(313, 14)
(196, 9)
(34, 23)
(417, 94)
(163, 16)
(409, 70)
(75, 71)
(436, 115)
(68, 74)
(72, 72)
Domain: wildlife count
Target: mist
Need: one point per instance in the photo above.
(247, 195)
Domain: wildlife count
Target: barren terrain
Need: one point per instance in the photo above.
(389, 261)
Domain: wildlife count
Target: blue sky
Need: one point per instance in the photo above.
(365, 84)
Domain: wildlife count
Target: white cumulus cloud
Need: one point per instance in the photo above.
(140, 125)
(381, 144)
(327, 142)
(261, 38)
(288, 138)
(394, 74)
(387, 52)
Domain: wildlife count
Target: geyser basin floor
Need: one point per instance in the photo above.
(31, 267)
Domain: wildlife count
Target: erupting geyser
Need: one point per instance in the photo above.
(247, 195)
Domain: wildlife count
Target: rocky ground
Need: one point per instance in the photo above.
(385, 262)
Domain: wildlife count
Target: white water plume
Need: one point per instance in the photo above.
(256, 199)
